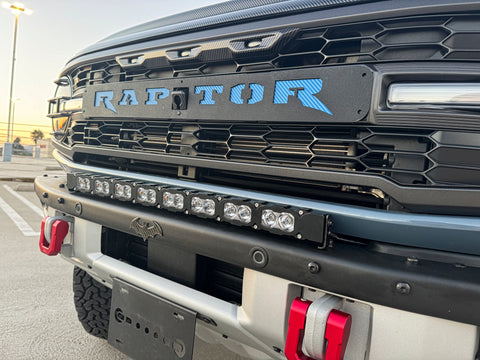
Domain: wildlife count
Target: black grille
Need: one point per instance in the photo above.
(220, 279)
(408, 157)
(211, 276)
(431, 38)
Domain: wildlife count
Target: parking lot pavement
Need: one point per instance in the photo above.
(37, 315)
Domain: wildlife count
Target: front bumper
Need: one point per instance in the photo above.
(368, 273)
(255, 329)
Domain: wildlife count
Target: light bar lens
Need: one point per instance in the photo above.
(230, 211)
(102, 187)
(123, 191)
(146, 195)
(178, 201)
(202, 206)
(282, 221)
(83, 184)
(269, 218)
(209, 207)
(241, 213)
(433, 95)
(173, 200)
(245, 213)
(286, 222)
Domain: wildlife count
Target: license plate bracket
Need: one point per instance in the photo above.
(145, 326)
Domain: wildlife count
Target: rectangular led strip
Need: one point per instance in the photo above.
(433, 95)
(275, 218)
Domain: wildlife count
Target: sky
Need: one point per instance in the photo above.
(47, 39)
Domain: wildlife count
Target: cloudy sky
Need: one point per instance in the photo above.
(55, 31)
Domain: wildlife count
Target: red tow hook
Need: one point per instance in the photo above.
(52, 234)
(296, 328)
(337, 332)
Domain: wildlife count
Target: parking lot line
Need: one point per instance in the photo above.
(17, 219)
(32, 206)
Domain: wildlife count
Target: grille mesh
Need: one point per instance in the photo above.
(408, 39)
(408, 157)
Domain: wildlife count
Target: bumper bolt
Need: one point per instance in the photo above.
(61, 200)
(45, 195)
(313, 267)
(403, 288)
(78, 208)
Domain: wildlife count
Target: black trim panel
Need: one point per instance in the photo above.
(420, 199)
(350, 270)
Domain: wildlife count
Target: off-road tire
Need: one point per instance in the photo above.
(92, 302)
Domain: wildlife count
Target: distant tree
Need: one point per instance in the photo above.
(36, 135)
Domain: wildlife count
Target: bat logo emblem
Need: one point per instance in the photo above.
(146, 229)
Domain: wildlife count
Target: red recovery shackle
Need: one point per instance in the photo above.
(337, 332)
(52, 234)
(296, 327)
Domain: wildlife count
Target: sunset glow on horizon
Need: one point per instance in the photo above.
(47, 39)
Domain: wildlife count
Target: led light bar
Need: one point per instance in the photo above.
(433, 95)
(274, 218)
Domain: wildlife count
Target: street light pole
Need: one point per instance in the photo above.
(10, 103)
(16, 8)
(13, 117)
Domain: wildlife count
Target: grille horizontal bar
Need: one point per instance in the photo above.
(408, 157)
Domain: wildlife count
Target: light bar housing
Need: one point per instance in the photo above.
(237, 203)
(306, 224)
(211, 199)
(175, 192)
(433, 95)
(120, 190)
(102, 186)
(146, 194)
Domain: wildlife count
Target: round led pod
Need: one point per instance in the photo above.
(168, 199)
(119, 191)
(209, 207)
(245, 213)
(127, 192)
(230, 211)
(142, 194)
(196, 204)
(178, 201)
(269, 218)
(151, 196)
(286, 222)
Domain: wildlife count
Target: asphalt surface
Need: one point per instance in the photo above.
(37, 314)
